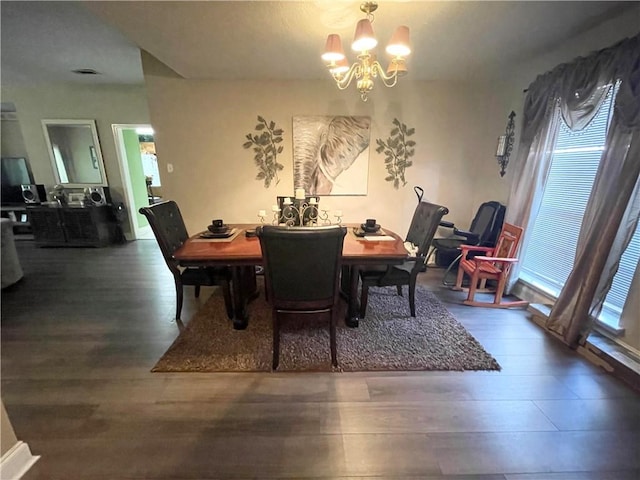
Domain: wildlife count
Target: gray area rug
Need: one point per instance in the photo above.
(387, 339)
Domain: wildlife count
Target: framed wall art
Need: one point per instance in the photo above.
(331, 154)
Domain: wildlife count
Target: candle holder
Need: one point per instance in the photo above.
(299, 213)
(324, 216)
(276, 216)
(261, 216)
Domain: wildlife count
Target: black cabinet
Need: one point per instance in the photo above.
(94, 226)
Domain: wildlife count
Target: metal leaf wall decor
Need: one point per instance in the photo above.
(398, 150)
(266, 148)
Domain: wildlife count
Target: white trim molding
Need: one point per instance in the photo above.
(17, 461)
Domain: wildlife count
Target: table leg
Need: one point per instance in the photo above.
(249, 282)
(352, 319)
(240, 318)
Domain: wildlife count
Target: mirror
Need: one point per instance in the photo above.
(75, 152)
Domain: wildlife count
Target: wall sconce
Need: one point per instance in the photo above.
(505, 144)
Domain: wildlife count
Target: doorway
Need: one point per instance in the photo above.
(140, 174)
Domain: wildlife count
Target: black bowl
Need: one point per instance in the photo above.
(222, 229)
(369, 229)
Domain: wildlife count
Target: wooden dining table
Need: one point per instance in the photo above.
(242, 253)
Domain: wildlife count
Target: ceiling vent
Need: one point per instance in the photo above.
(85, 71)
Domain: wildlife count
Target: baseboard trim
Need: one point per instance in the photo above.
(17, 461)
(599, 352)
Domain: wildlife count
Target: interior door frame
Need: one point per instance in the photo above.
(123, 163)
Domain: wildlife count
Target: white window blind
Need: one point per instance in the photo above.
(550, 254)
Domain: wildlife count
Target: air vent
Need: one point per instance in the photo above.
(85, 71)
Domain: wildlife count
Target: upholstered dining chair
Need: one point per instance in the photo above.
(302, 275)
(425, 222)
(170, 231)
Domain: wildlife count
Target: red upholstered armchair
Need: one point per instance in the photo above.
(495, 264)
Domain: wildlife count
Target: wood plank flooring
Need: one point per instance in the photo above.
(83, 329)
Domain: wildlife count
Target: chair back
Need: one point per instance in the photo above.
(487, 223)
(169, 229)
(424, 224)
(508, 241)
(302, 265)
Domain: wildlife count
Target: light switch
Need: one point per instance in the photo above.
(170, 167)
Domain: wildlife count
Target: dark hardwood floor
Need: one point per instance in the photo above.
(82, 330)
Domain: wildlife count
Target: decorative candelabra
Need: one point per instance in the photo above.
(300, 211)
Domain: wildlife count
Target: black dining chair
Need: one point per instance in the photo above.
(170, 231)
(302, 275)
(424, 224)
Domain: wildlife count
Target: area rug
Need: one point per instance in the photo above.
(388, 338)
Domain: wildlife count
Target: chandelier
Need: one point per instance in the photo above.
(366, 69)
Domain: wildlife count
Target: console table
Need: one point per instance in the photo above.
(92, 226)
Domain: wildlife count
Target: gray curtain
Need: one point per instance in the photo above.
(578, 89)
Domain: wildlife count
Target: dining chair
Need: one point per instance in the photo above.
(424, 223)
(491, 263)
(170, 231)
(302, 273)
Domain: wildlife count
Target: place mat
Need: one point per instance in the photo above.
(234, 233)
(359, 232)
(381, 238)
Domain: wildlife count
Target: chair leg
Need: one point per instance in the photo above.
(197, 291)
(276, 340)
(228, 301)
(364, 299)
(179, 298)
(412, 296)
(332, 338)
(500, 289)
(399, 289)
(473, 286)
(459, 278)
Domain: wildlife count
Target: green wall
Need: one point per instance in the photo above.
(134, 159)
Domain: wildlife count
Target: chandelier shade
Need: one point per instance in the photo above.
(399, 43)
(366, 68)
(364, 39)
(333, 51)
(399, 67)
(340, 67)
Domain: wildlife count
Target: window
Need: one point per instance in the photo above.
(574, 164)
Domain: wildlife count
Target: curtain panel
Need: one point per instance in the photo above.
(577, 89)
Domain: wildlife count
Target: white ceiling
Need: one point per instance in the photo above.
(45, 41)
